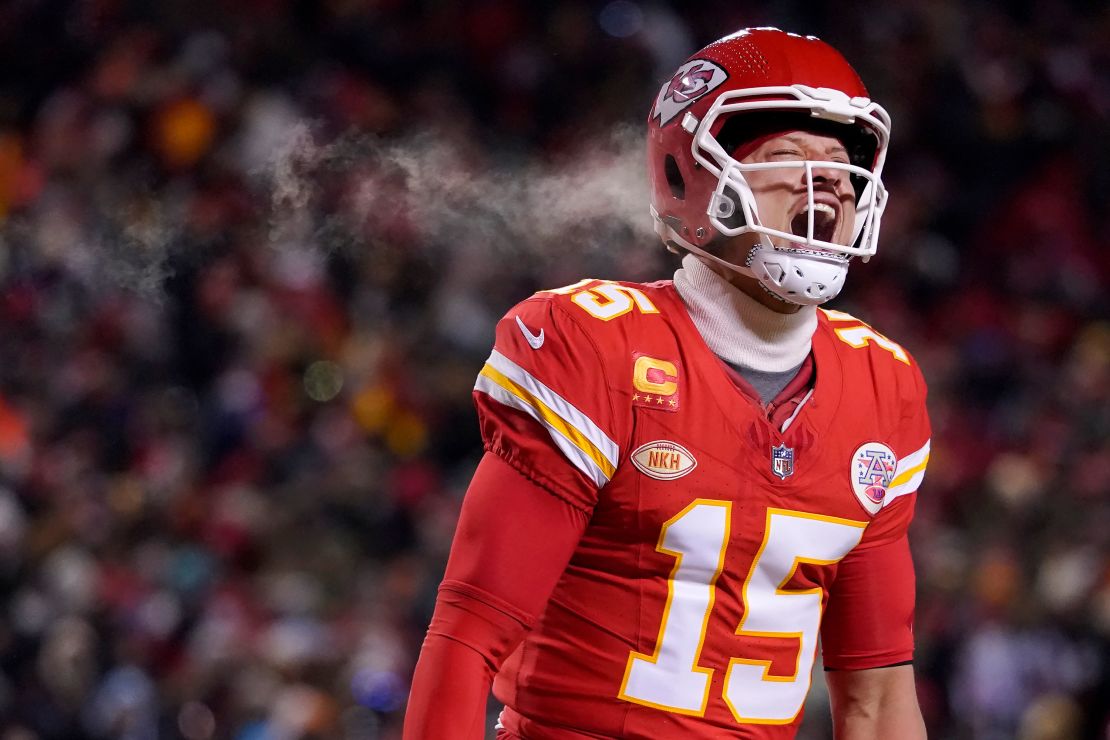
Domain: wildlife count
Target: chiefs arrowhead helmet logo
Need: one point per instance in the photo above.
(692, 81)
(686, 87)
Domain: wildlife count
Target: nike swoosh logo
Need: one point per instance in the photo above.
(535, 341)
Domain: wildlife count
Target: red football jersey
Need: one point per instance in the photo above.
(693, 603)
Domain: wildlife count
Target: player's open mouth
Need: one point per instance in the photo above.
(824, 222)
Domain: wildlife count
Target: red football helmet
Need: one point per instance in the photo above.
(738, 90)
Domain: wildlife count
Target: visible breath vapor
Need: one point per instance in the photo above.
(115, 241)
(362, 195)
(137, 248)
(449, 195)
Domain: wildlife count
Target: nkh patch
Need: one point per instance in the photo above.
(655, 383)
(872, 470)
(663, 460)
(692, 80)
(782, 461)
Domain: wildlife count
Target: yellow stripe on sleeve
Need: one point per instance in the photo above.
(551, 419)
(907, 474)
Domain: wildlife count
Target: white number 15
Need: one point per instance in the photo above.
(671, 678)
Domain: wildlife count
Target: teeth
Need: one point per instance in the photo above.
(823, 224)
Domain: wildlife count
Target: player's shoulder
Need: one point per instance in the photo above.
(588, 330)
(865, 351)
(600, 307)
(605, 299)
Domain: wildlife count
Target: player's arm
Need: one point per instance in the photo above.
(868, 644)
(513, 541)
(875, 703)
(867, 630)
(546, 415)
(867, 627)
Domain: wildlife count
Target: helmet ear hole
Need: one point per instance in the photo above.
(674, 178)
(729, 211)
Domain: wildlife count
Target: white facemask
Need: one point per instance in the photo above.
(807, 270)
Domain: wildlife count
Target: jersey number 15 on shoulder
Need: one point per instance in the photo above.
(606, 300)
(863, 335)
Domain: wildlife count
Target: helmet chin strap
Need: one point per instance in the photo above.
(800, 277)
(795, 276)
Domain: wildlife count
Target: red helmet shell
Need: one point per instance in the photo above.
(750, 58)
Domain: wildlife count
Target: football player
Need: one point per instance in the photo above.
(688, 483)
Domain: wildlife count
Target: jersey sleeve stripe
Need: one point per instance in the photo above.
(567, 411)
(904, 477)
(908, 474)
(909, 486)
(582, 441)
(910, 464)
(569, 440)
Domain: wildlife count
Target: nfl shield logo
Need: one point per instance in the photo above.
(782, 461)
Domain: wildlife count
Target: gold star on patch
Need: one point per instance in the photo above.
(635, 396)
(659, 400)
(672, 402)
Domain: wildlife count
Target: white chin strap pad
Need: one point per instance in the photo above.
(806, 279)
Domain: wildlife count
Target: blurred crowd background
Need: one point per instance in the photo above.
(251, 256)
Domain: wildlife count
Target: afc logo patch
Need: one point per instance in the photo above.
(872, 471)
(655, 383)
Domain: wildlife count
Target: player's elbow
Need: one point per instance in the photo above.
(876, 703)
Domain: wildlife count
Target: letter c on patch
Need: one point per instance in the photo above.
(662, 382)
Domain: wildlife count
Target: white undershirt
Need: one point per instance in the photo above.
(737, 328)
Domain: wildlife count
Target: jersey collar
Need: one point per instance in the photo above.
(739, 329)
